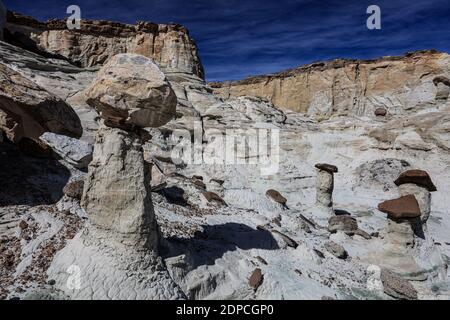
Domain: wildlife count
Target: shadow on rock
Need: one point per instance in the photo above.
(216, 240)
(29, 181)
(174, 195)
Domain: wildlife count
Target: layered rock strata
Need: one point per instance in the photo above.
(169, 45)
(352, 87)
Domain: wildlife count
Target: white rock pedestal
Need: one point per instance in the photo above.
(117, 192)
(423, 197)
(325, 185)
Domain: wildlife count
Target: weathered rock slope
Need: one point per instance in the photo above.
(400, 85)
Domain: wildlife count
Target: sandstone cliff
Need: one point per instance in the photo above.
(352, 87)
(169, 45)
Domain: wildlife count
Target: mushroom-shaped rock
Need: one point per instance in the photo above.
(419, 184)
(27, 110)
(276, 196)
(325, 184)
(402, 208)
(417, 177)
(131, 90)
(403, 218)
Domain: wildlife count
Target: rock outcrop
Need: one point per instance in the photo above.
(325, 184)
(169, 45)
(351, 87)
(27, 110)
(76, 152)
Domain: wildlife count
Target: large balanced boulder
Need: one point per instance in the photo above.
(130, 90)
(27, 110)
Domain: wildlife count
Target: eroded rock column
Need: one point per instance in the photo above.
(117, 188)
(419, 184)
(325, 184)
(403, 218)
(116, 255)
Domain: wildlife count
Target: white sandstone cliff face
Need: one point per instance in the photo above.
(170, 46)
(400, 85)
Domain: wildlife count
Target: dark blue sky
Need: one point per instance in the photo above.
(239, 38)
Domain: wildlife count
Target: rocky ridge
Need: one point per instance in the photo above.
(381, 87)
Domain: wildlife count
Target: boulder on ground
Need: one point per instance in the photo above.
(380, 112)
(276, 196)
(397, 287)
(131, 90)
(256, 279)
(213, 197)
(336, 250)
(344, 223)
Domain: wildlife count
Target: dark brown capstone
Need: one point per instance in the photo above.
(418, 177)
(276, 196)
(405, 207)
(218, 181)
(213, 197)
(256, 279)
(199, 184)
(327, 167)
(380, 112)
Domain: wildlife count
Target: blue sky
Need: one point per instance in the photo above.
(239, 38)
